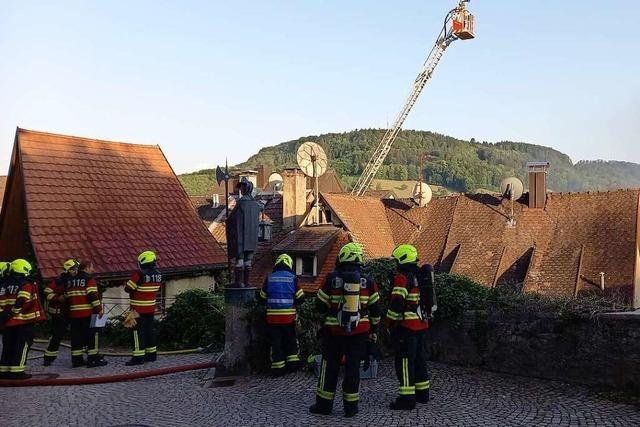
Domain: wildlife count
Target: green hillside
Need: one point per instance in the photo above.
(452, 163)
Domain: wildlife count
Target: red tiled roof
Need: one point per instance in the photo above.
(366, 219)
(307, 239)
(559, 250)
(104, 202)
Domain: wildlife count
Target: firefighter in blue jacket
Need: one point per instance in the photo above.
(281, 292)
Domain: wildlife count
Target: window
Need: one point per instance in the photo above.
(306, 266)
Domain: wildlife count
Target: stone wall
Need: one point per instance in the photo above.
(604, 351)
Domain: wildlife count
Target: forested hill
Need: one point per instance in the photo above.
(453, 163)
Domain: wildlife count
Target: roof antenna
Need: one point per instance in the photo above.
(511, 188)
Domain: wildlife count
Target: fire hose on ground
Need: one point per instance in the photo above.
(54, 380)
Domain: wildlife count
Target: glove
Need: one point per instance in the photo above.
(130, 319)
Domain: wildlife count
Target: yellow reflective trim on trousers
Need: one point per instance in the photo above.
(23, 360)
(16, 368)
(323, 369)
(278, 365)
(293, 358)
(325, 394)
(405, 372)
(400, 291)
(136, 345)
(51, 353)
(350, 397)
(407, 391)
(4, 368)
(77, 352)
(424, 385)
(94, 350)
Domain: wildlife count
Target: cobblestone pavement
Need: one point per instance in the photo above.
(460, 396)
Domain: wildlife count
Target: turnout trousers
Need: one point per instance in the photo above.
(59, 323)
(83, 340)
(284, 347)
(144, 340)
(16, 342)
(334, 347)
(411, 364)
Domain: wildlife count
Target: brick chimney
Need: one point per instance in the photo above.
(294, 198)
(537, 184)
(263, 174)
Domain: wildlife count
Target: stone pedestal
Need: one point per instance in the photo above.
(234, 359)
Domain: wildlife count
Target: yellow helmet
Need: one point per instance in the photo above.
(351, 252)
(21, 266)
(405, 254)
(286, 260)
(70, 264)
(146, 257)
(4, 268)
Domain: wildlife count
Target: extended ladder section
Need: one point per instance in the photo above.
(459, 24)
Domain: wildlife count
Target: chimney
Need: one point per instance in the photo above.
(294, 198)
(263, 175)
(537, 184)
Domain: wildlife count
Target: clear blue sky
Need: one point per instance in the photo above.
(206, 79)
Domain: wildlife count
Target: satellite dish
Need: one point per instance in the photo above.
(312, 159)
(275, 181)
(422, 194)
(511, 188)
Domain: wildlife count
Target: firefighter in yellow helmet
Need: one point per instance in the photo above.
(20, 309)
(349, 300)
(410, 308)
(281, 292)
(143, 288)
(58, 309)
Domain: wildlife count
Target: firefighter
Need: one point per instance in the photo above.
(142, 289)
(350, 301)
(411, 305)
(281, 292)
(20, 310)
(58, 310)
(81, 295)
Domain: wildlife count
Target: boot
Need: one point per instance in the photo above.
(422, 396)
(239, 277)
(350, 409)
(48, 360)
(247, 275)
(403, 403)
(321, 407)
(19, 376)
(135, 360)
(77, 361)
(151, 357)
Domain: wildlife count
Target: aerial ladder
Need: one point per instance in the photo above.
(458, 24)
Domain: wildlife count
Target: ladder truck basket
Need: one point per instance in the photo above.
(464, 25)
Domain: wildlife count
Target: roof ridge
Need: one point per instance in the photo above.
(108, 141)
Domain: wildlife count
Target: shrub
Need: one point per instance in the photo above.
(196, 319)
